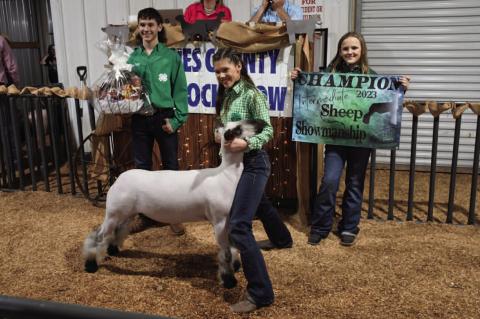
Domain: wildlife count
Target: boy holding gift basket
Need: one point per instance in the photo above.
(162, 74)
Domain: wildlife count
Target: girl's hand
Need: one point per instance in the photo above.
(236, 145)
(294, 73)
(405, 81)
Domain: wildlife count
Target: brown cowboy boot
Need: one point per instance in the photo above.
(177, 229)
(245, 305)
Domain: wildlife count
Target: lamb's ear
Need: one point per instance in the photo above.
(218, 123)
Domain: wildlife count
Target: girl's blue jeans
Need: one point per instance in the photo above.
(248, 196)
(323, 211)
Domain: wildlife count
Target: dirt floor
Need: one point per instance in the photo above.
(397, 269)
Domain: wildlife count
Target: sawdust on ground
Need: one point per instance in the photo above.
(397, 269)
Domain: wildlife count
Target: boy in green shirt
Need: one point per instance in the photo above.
(163, 76)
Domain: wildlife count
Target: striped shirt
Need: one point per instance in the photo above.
(245, 102)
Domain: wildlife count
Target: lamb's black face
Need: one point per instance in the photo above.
(246, 128)
(232, 133)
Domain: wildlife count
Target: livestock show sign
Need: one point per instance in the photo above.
(312, 9)
(269, 71)
(347, 109)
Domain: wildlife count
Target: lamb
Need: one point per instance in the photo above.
(176, 197)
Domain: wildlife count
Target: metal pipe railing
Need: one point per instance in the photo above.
(411, 180)
(16, 308)
(433, 168)
(453, 170)
(391, 185)
(473, 189)
(54, 133)
(42, 146)
(371, 186)
(37, 145)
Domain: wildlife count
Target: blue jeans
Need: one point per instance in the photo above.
(146, 130)
(276, 230)
(324, 207)
(248, 196)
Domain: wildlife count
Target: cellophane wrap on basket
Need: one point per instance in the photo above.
(119, 90)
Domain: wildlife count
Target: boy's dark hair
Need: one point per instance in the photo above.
(153, 14)
(236, 58)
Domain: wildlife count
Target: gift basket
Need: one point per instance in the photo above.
(119, 90)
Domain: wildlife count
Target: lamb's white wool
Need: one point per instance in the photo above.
(176, 197)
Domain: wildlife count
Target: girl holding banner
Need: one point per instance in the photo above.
(351, 57)
(239, 99)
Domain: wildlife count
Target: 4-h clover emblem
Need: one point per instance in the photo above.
(162, 77)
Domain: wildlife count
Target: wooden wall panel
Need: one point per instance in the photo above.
(182, 4)
(96, 15)
(117, 11)
(240, 10)
(137, 5)
(75, 48)
(164, 4)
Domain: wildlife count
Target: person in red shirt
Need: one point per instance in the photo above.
(206, 10)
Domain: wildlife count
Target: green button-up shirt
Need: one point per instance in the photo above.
(245, 102)
(163, 75)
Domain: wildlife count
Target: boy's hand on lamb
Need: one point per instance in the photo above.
(236, 145)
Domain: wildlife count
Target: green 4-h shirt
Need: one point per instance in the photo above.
(245, 102)
(164, 78)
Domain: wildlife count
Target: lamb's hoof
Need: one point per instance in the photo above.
(112, 250)
(91, 266)
(236, 265)
(229, 281)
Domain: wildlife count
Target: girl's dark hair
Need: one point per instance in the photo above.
(152, 14)
(338, 64)
(235, 58)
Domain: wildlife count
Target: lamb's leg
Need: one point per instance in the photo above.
(101, 241)
(121, 233)
(226, 273)
(90, 252)
(236, 263)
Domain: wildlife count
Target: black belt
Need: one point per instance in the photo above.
(167, 112)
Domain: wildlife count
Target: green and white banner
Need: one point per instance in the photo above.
(363, 110)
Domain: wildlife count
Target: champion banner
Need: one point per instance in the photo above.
(348, 109)
(269, 71)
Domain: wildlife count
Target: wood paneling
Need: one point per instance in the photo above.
(137, 5)
(117, 11)
(96, 15)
